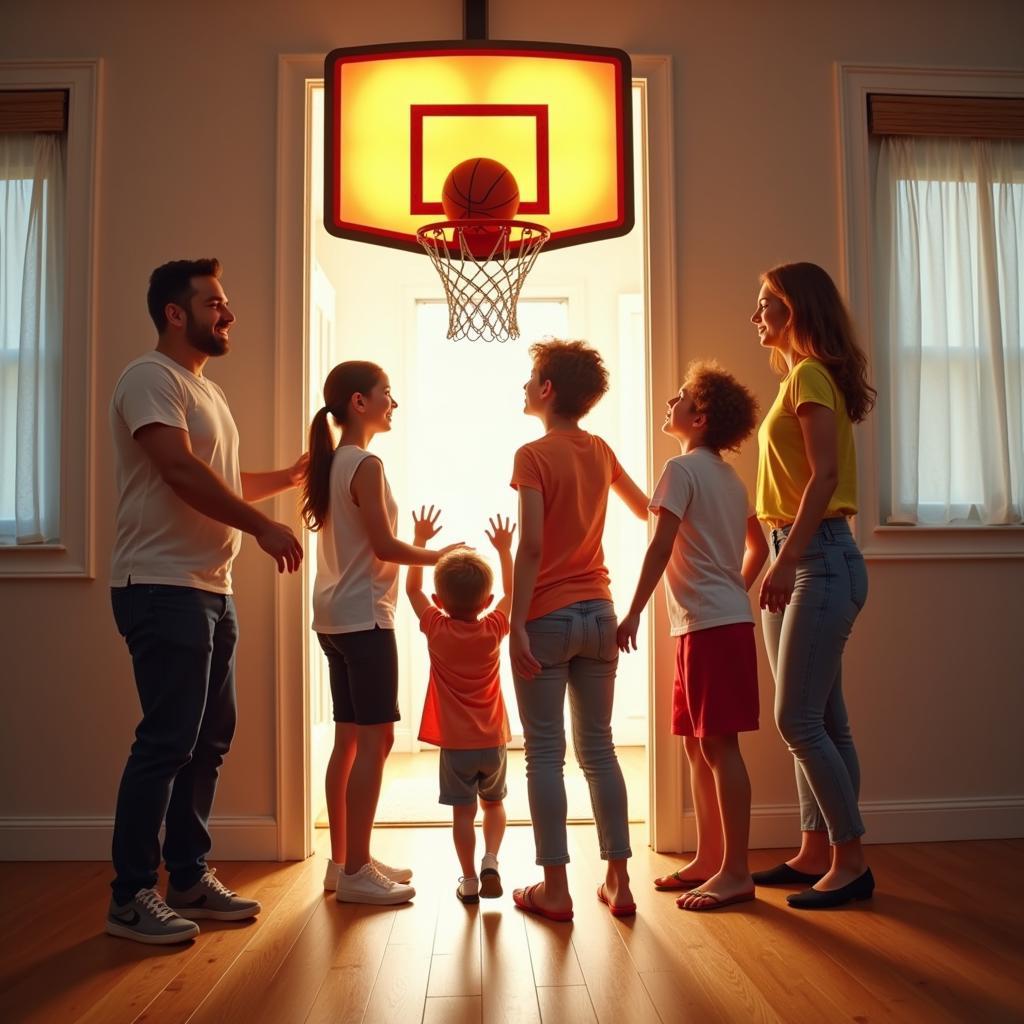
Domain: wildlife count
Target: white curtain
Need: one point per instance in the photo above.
(951, 281)
(32, 189)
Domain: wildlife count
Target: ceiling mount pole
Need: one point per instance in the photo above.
(474, 19)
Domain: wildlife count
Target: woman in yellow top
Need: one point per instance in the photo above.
(817, 583)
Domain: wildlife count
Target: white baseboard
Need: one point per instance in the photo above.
(893, 821)
(89, 838)
(771, 826)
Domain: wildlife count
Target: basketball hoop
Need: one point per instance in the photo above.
(482, 265)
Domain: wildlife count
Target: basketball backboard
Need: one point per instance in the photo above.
(398, 118)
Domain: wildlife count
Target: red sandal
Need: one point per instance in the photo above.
(622, 910)
(523, 899)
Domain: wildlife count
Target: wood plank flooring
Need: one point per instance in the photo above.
(942, 941)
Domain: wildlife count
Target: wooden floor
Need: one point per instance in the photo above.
(942, 941)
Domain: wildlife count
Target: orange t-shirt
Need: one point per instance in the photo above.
(573, 470)
(464, 709)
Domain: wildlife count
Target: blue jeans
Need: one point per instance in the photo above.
(576, 648)
(182, 642)
(805, 645)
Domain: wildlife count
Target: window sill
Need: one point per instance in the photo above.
(969, 541)
(6, 545)
(43, 561)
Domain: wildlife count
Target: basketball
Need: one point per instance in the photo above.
(480, 188)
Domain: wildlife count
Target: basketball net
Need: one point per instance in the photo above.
(482, 265)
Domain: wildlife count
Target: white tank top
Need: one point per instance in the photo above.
(354, 590)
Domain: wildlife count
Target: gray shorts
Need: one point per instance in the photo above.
(466, 774)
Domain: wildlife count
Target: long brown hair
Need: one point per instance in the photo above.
(345, 380)
(820, 327)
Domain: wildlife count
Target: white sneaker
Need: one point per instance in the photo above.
(368, 885)
(334, 869)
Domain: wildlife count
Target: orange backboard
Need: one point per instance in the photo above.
(398, 118)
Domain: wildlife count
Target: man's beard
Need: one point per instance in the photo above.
(203, 338)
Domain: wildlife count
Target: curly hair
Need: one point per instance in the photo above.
(820, 326)
(730, 409)
(463, 581)
(576, 371)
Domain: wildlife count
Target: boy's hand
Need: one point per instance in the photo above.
(425, 525)
(627, 631)
(524, 664)
(501, 535)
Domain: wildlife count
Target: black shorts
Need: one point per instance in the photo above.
(364, 675)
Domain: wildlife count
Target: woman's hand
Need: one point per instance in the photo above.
(777, 585)
(524, 664)
(627, 631)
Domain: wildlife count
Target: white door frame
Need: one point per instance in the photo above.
(293, 815)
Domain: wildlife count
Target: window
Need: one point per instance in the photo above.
(934, 203)
(950, 231)
(47, 188)
(32, 191)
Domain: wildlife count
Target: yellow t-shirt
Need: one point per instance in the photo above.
(782, 467)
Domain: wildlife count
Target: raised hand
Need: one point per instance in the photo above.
(424, 526)
(500, 534)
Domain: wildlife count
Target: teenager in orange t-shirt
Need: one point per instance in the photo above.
(464, 713)
(563, 624)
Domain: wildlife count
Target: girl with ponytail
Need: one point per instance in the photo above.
(346, 498)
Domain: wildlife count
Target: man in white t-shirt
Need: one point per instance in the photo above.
(182, 506)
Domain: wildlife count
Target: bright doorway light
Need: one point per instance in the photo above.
(459, 422)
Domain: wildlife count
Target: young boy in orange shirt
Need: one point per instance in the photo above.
(464, 713)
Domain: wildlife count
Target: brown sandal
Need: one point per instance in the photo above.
(678, 883)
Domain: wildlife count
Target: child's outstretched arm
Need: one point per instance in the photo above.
(501, 538)
(755, 552)
(658, 553)
(636, 501)
(424, 527)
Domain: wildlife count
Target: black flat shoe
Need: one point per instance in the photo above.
(860, 888)
(783, 874)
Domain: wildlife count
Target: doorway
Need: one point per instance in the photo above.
(458, 423)
(302, 722)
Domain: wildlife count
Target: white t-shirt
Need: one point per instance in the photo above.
(704, 581)
(160, 538)
(354, 590)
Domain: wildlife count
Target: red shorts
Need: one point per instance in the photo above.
(715, 692)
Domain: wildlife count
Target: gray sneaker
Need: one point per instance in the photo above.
(209, 898)
(146, 918)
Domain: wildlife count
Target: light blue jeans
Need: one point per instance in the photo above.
(805, 645)
(576, 648)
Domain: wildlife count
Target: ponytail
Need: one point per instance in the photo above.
(316, 489)
(344, 381)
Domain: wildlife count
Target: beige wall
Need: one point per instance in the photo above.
(187, 152)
